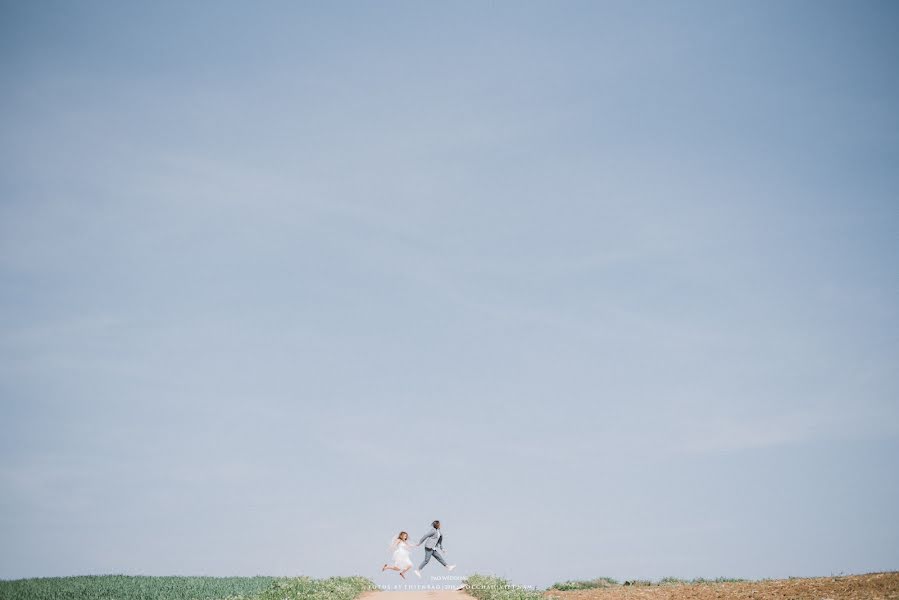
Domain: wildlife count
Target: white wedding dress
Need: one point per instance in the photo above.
(401, 555)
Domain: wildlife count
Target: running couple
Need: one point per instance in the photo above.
(401, 546)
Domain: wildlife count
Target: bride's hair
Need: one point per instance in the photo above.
(403, 536)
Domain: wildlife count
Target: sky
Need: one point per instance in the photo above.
(609, 288)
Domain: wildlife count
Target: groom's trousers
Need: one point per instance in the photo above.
(428, 553)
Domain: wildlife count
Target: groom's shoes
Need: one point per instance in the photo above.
(418, 573)
(451, 567)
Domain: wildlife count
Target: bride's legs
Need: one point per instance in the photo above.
(404, 571)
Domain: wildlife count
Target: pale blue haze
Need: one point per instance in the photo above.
(615, 281)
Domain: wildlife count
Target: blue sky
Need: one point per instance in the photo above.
(608, 288)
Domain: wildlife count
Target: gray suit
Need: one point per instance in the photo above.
(433, 540)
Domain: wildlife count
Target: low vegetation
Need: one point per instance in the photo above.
(486, 587)
(608, 582)
(128, 587)
(587, 584)
(306, 588)
(850, 587)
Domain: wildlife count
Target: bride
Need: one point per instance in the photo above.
(401, 560)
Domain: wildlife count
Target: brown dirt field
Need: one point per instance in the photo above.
(875, 586)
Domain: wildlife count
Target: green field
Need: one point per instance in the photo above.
(127, 587)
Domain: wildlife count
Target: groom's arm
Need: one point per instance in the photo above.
(424, 537)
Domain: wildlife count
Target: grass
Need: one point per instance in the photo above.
(129, 587)
(698, 580)
(486, 587)
(306, 588)
(587, 584)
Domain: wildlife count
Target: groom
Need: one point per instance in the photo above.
(433, 540)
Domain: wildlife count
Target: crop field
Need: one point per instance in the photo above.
(126, 587)
(874, 586)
